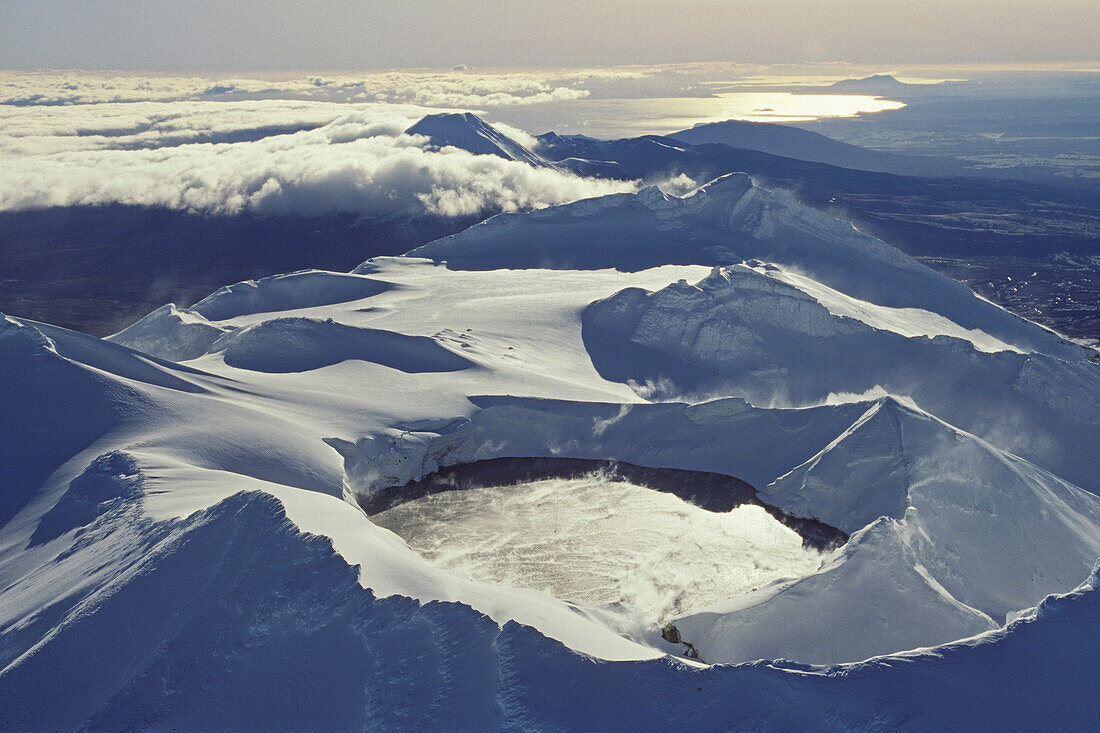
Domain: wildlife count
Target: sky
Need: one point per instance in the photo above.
(283, 35)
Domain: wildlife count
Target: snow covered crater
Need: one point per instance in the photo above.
(182, 517)
(600, 542)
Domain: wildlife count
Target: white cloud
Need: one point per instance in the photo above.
(304, 145)
(522, 137)
(679, 185)
(127, 126)
(329, 157)
(456, 88)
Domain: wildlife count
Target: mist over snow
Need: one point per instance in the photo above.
(262, 156)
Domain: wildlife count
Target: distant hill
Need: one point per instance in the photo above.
(882, 85)
(793, 142)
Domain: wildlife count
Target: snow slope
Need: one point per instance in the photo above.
(744, 332)
(949, 535)
(275, 632)
(185, 539)
(726, 222)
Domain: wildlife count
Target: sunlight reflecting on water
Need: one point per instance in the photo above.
(788, 107)
(664, 115)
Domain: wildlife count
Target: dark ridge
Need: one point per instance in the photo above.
(714, 492)
(97, 269)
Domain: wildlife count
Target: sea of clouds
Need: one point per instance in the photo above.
(458, 88)
(305, 146)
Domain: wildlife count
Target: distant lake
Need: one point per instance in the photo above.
(662, 115)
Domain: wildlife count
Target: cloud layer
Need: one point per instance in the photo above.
(299, 144)
(456, 88)
(267, 157)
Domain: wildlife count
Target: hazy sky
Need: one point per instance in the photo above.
(225, 35)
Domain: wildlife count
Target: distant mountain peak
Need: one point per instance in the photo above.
(469, 132)
(452, 119)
